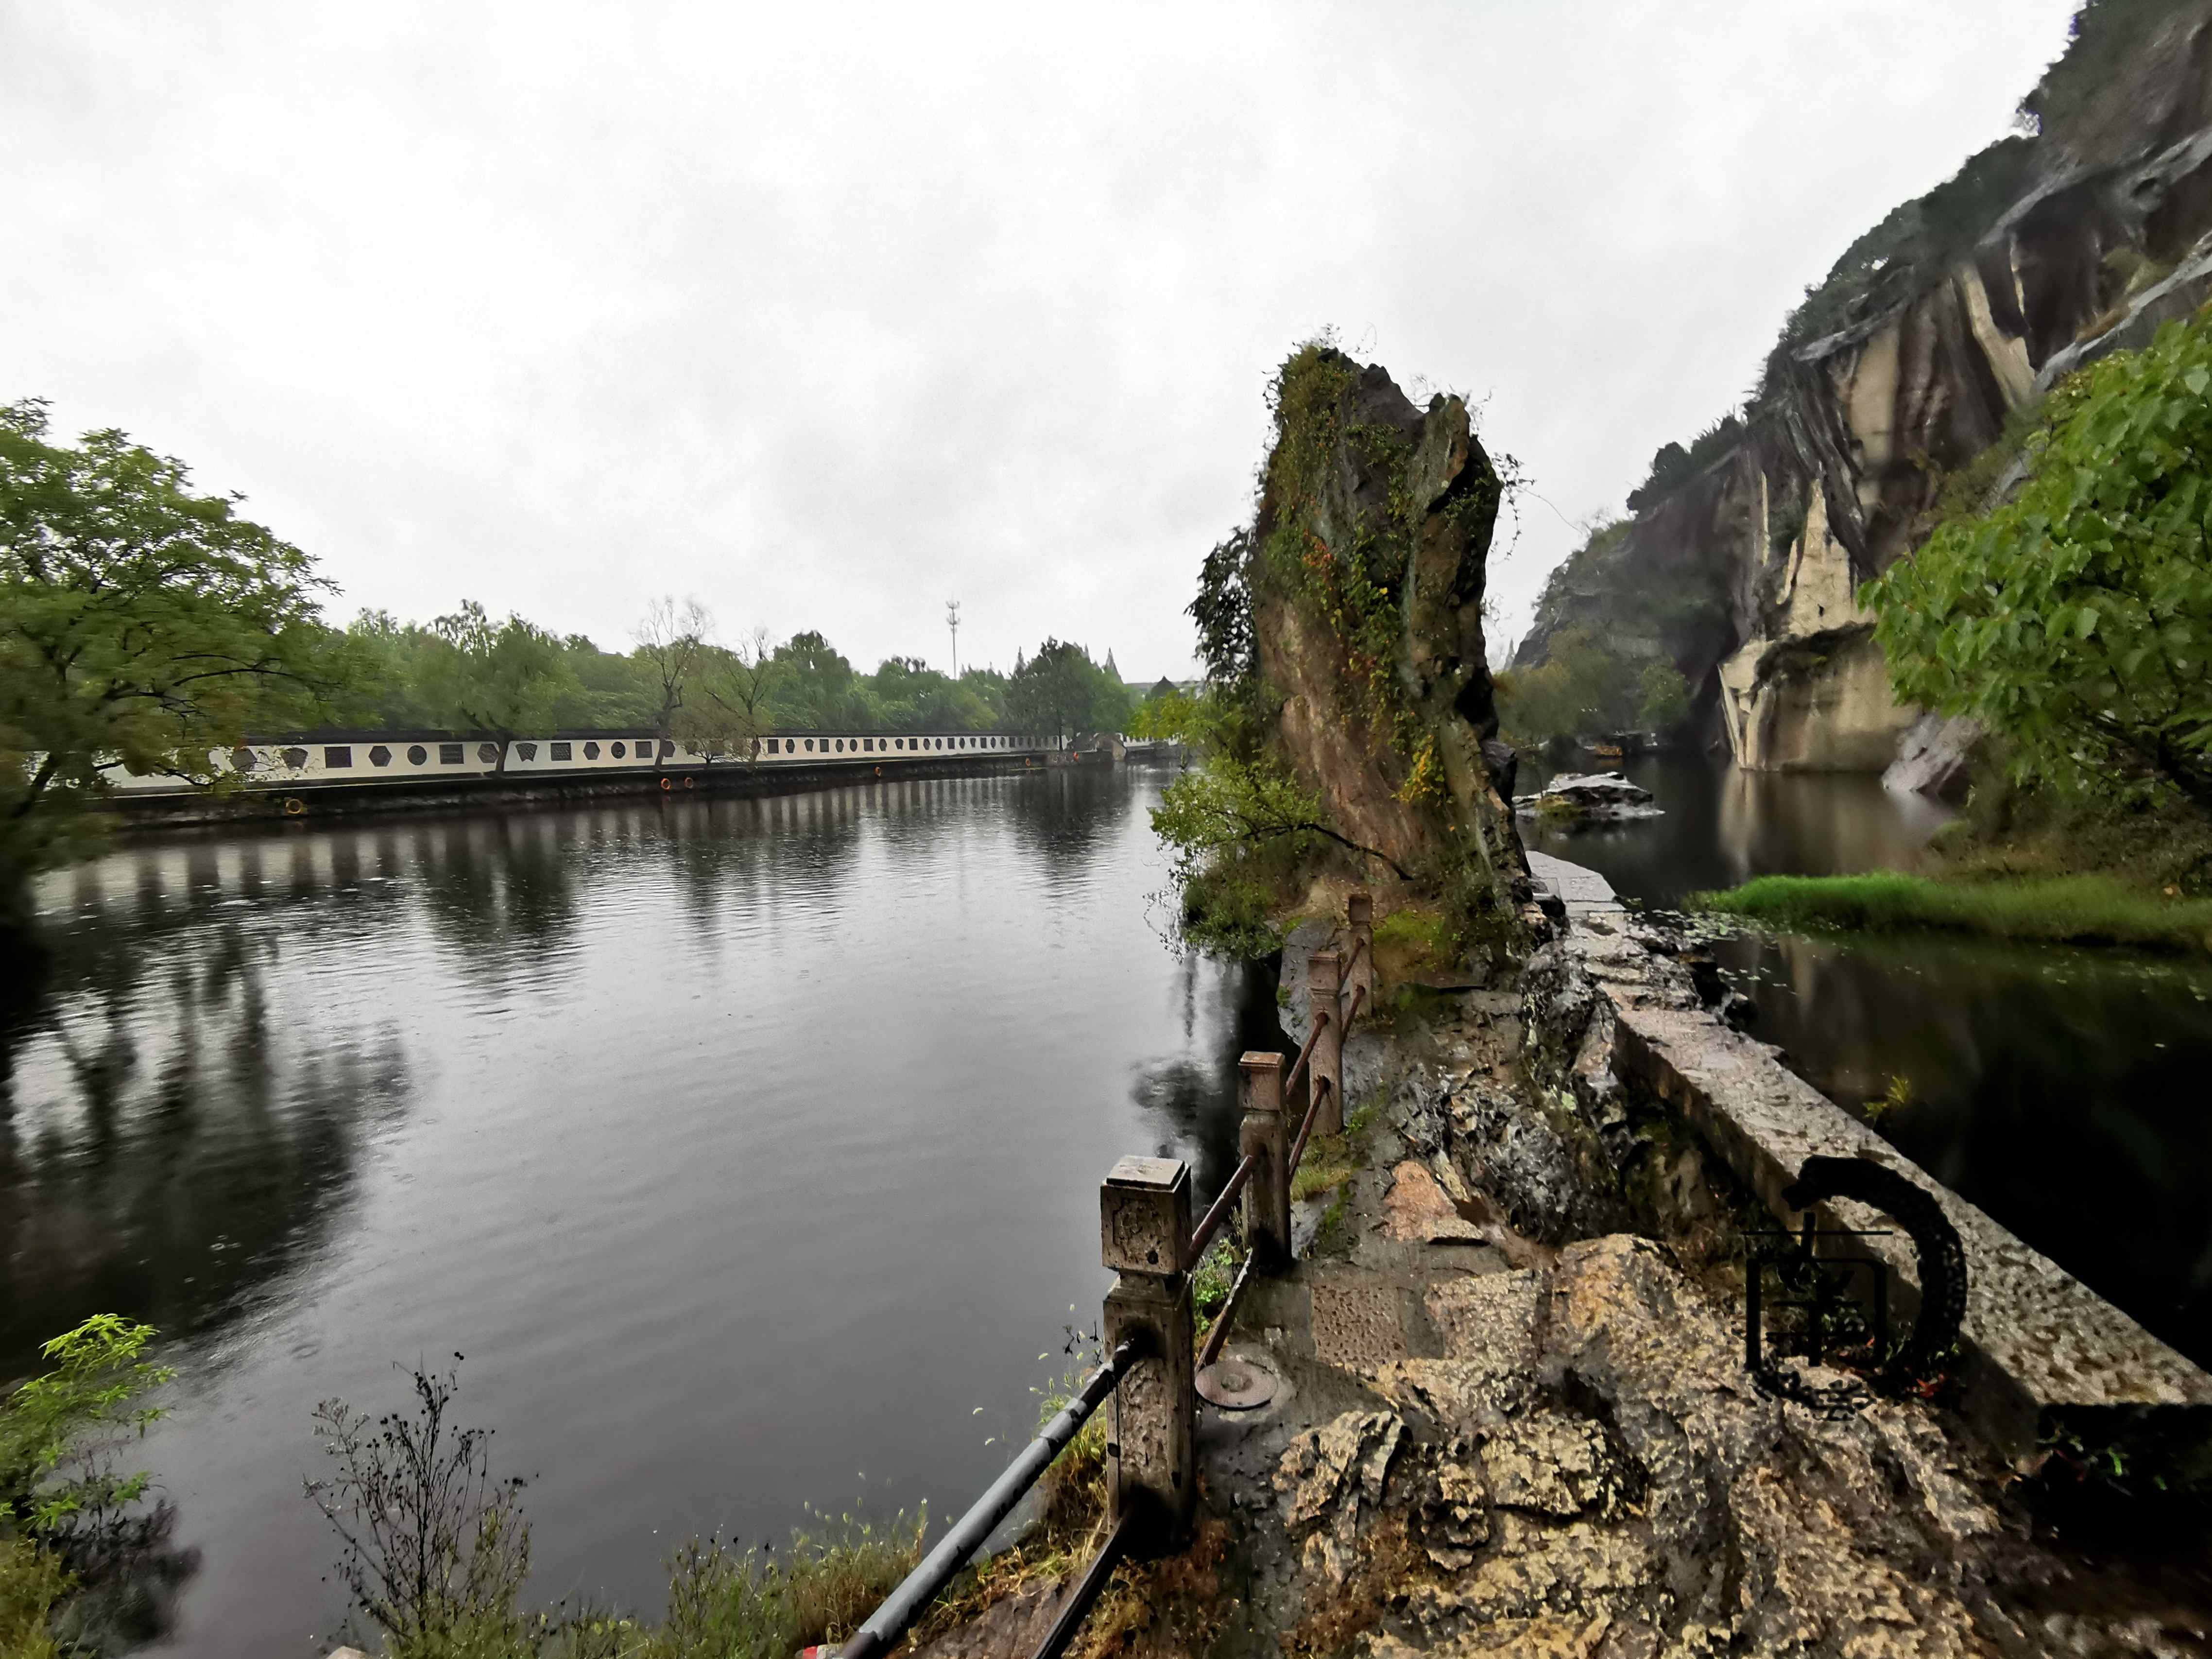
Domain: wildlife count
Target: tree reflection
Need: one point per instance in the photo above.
(166, 1148)
(1066, 814)
(1229, 1011)
(2057, 1090)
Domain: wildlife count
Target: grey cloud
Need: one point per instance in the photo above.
(826, 314)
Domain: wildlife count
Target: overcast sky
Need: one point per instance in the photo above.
(825, 314)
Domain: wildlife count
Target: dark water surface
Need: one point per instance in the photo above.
(2065, 1091)
(746, 1148)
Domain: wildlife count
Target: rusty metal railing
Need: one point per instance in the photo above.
(1265, 1172)
(884, 1627)
(1202, 1235)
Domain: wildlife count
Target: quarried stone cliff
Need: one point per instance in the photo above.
(1365, 566)
(1899, 391)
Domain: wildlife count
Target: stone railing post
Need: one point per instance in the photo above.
(1152, 1458)
(1265, 1136)
(1325, 995)
(1359, 920)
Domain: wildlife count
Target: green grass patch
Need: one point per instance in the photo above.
(1330, 1161)
(2085, 909)
(1414, 941)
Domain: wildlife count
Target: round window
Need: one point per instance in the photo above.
(380, 756)
(616, 749)
(416, 755)
(488, 753)
(591, 751)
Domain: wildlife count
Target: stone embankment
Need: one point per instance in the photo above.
(1513, 1415)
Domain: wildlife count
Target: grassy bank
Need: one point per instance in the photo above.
(2072, 909)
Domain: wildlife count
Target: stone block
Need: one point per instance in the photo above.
(1145, 1216)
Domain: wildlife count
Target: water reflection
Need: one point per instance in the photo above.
(163, 1147)
(1193, 1096)
(2061, 1091)
(687, 1120)
(1723, 826)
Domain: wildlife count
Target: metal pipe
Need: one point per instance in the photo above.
(889, 1622)
(1219, 1334)
(1202, 1235)
(1290, 1077)
(1305, 1129)
(1086, 1590)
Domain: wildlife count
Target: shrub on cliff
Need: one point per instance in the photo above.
(2076, 620)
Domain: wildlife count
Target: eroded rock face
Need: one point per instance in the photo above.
(1428, 493)
(1845, 458)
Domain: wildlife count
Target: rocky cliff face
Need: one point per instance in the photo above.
(1365, 567)
(1932, 338)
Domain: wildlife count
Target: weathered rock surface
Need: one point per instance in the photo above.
(1429, 496)
(2093, 232)
(1936, 756)
(1600, 797)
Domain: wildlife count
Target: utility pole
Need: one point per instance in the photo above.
(952, 622)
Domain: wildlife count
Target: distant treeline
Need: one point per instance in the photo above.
(145, 624)
(468, 669)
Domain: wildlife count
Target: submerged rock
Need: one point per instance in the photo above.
(1596, 796)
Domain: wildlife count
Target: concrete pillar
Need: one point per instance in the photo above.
(1325, 995)
(1266, 1136)
(1151, 1468)
(1359, 918)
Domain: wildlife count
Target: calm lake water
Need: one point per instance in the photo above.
(2063, 1090)
(748, 1150)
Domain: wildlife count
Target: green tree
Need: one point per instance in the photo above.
(1662, 696)
(500, 678)
(911, 696)
(670, 640)
(1061, 691)
(814, 688)
(140, 623)
(1582, 688)
(729, 713)
(2076, 620)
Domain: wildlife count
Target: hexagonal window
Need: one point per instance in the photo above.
(488, 753)
(380, 756)
(591, 751)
